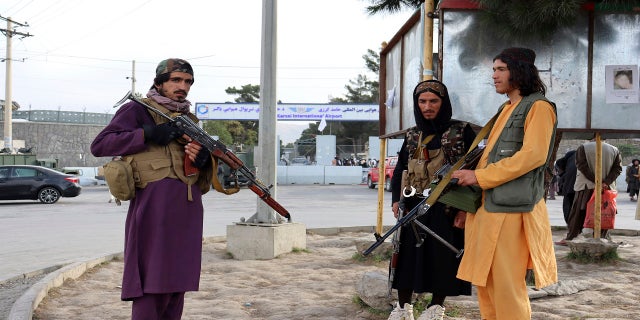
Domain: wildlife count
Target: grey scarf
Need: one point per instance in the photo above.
(182, 107)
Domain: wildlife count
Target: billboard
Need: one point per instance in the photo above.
(288, 111)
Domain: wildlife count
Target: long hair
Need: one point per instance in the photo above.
(524, 75)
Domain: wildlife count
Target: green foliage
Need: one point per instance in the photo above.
(372, 61)
(421, 303)
(247, 93)
(361, 90)
(392, 6)
(628, 150)
(243, 132)
(609, 257)
(514, 20)
(217, 128)
(233, 132)
(300, 250)
(423, 300)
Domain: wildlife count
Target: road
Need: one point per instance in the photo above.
(36, 236)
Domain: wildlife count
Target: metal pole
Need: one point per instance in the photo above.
(598, 190)
(381, 182)
(8, 103)
(267, 169)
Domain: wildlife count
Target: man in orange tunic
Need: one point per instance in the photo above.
(510, 232)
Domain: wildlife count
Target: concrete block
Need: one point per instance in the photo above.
(264, 241)
(343, 175)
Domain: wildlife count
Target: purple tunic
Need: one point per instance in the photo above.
(163, 231)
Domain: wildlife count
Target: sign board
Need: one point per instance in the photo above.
(288, 111)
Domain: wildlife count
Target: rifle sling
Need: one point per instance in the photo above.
(437, 191)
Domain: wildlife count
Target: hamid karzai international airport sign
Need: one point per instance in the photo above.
(288, 111)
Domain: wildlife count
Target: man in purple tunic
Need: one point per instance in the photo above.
(163, 231)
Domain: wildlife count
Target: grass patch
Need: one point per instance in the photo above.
(423, 300)
(583, 257)
(300, 250)
(375, 258)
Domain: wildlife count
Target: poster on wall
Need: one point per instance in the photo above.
(621, 83)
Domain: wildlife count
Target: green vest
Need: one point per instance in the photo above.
(522, 193)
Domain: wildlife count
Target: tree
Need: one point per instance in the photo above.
(218, 128)
(248, 93)
(234, 131)
(392, 6)
(510, 20)
(360, 90)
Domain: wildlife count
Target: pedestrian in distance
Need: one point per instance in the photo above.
(163, 229)
(633, 179)
(585, 183)
(566, 179)
(510, 232)
(424, 264)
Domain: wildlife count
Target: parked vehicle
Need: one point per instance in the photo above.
(28, 182)
(31, 159)
(373, 175)
(228, 178)
(89, 176)
(299, 161)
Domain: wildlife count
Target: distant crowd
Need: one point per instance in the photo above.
(355, 161)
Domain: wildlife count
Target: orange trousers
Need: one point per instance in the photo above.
(505, 295)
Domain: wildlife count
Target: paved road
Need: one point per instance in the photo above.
(35, 236)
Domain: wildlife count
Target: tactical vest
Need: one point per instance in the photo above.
(522, 193)
(423, 162)
(159, 162)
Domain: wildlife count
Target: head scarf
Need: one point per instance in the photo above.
(173, 64)
(441, 122)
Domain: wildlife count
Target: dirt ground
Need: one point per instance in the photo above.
(319, 283)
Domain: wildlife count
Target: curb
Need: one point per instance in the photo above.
(23, 308)
(28, 302)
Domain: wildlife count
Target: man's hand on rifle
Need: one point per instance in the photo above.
(465, 177)
(395, 207)
(161, 134)
(199, 155)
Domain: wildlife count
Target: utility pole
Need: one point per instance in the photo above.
(267, 169)
(8, 103)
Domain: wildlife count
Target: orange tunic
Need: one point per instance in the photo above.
(483, 227)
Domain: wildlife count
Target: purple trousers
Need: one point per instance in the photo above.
(164, 306)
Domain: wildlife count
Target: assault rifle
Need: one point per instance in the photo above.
(470, 162)
(218, 150)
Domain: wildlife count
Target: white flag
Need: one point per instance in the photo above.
(323, 124)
